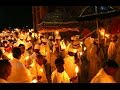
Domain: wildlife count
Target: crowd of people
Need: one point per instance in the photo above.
(32, 57)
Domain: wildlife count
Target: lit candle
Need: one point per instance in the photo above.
(76, 70)
(3, 51)
(27, 58)
(34, 81)
(81, 53)
(84, 48)
(41, 70)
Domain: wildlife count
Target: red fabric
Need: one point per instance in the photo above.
(8, 49)
(85, 32)
(114, 27)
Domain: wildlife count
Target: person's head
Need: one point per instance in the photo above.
(59, 62)
(36, 48)
(22, 47)
(5, 68)
(44, 41)
(16, 52)
(110, 67)
(40, 59)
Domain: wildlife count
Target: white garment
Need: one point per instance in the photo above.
(37, 70)
(69, 64)
(60, 77)
(3, 80)
(111, 50)
(45, 51)
(19, 73)
(102, 77)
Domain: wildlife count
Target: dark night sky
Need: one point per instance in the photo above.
(15, 16)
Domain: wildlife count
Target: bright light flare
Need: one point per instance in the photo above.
(56, 32)
(77, 69)
(27, 57)
(81, 53)
(34, 81)
(84, 48)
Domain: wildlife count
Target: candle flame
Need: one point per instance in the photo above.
(32, 64)
(56, 32)
(3, 51)
(41, 70)
(81, 42)
(81, 53)
(27, 57)
(77, 69)
(84, 48)
(107, 35)
(34, 81)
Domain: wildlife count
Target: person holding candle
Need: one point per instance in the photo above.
(38, 69)
(94, 62)
(29, 52)
(19, 73)
(69, 63)
(23, 55)
(45, 51)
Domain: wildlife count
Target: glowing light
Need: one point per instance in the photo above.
(27, 58)
(84, 48)
(81, 53)
(81, 42)
(107, 35)
(77, 69)
(56, 32)
(41, 70)
(102, 31)
(32, 64)
(33, 35)
(3, 51)
(34, 81)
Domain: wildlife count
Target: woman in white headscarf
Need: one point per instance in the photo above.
(92, 57)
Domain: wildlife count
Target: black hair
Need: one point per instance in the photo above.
(16, 52)
(111, 63)
(4, 65)
(59, 60)
(39, 56)
(20, 45)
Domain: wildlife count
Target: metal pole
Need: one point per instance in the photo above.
(33, 17)
(97, 27)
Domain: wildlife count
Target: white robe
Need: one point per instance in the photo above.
(19, 73)
(45, 51)
(60, 77)
(37, 70)
(111, 51)
(69, 64)
(102, 77)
